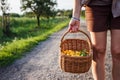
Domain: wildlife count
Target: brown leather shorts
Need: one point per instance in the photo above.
(99, 18)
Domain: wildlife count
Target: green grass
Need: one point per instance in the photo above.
(25, 36)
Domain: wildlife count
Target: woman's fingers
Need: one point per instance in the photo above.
(73, 28)
(74, 25)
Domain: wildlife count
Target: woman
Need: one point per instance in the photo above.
(101, 15)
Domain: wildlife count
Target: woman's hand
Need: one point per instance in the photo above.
(74, 25)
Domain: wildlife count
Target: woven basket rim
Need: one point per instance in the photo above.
(89, 40)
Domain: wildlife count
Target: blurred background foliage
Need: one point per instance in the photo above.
(21, 32)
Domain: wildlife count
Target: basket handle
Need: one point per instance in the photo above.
(81, 32)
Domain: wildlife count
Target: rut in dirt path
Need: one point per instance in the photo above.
(42, 63)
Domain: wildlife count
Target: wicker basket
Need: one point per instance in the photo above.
(74, 64)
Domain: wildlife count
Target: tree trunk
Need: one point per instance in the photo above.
(6, 24)
(38, 21)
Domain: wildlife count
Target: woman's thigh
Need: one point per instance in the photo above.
(99, 39)
(115, 41)
(99, 44)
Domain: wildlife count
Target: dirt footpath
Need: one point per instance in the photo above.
(42, 63)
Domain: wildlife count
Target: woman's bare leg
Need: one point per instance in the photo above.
(99, 48)
(115, 50)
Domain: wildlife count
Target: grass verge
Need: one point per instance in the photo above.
(17, 47)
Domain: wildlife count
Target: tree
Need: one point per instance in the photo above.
(39, 7)
(5, 17)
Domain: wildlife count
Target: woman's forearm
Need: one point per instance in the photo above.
(76, 8)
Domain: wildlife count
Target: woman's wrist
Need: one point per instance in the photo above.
(75, 18)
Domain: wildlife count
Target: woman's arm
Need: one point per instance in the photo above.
(76, 9)
(74, 23)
